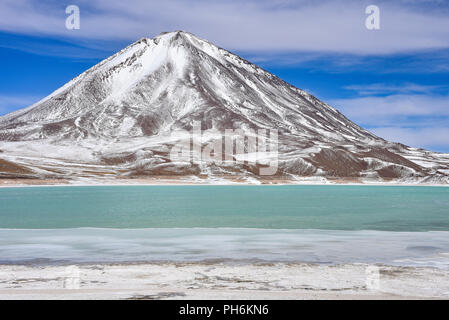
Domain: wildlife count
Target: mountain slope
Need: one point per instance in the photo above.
(121, 118)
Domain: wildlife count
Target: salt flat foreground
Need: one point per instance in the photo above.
(221, 281)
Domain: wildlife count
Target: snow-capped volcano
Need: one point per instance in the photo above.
(121, 117)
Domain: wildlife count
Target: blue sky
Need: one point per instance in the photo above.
(393, 81)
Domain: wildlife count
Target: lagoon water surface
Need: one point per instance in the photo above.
(316, 224)
(389, 208)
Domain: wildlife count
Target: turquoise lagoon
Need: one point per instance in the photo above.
(402, 225)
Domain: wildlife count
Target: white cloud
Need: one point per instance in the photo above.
(331, 26)
(377, 111)
(383, 88)
(431, 138)
(417, 120)
(9, 103)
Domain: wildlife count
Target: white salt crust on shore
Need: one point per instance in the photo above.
(222, 281)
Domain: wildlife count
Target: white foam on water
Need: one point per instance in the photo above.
(91, 245)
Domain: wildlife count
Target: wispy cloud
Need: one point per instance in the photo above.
(9, 103)
(303, 25)
(388, 89)
(392, 109)
(411, 114)
(436, 138)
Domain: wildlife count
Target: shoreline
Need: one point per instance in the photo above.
(170, 280)
(177, 182)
